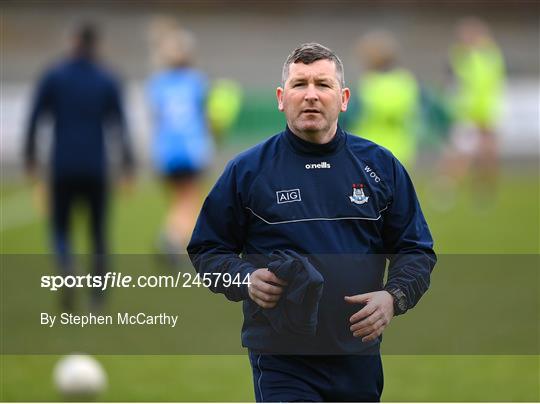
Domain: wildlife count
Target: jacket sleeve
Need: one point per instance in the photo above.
(407, 240)
(219, 235)
(41, 104)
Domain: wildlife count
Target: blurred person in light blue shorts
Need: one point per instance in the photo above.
(183, 146)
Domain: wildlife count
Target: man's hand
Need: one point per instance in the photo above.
(266, 288)
(374, 317)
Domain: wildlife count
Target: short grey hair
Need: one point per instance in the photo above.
(308, 53)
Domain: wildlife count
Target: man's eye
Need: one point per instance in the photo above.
(325, 85)
(298, 85)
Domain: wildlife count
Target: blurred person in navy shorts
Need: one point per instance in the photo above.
(83, 100)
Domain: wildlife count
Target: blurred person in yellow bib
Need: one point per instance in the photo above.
(479, 73)
(388, 98)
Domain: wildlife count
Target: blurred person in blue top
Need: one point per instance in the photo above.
(83, 100)
(183, 145)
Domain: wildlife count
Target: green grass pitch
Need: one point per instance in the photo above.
(509, 225)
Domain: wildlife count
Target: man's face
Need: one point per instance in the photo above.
(312, 97)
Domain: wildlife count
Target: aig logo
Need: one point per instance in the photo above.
(291, 195)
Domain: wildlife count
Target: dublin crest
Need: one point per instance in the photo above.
(358, 197)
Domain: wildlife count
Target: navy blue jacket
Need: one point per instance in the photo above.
(82, 99)
(348, 205)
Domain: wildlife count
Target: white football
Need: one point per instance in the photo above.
(79, 375)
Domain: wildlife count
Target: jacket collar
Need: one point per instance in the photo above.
(304, 147)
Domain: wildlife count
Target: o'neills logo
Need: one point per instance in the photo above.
(323, 164)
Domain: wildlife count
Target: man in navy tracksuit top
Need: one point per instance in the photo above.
(343, 202)
(83, 99)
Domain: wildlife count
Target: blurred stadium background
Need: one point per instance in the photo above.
(248, 42)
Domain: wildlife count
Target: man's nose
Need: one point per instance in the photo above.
(311, 93)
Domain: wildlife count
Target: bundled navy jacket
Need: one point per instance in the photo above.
(297, 311)
(347, 205)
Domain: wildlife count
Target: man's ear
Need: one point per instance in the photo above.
(279, 95)
(345, 96)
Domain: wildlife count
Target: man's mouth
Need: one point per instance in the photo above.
(311, 111)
